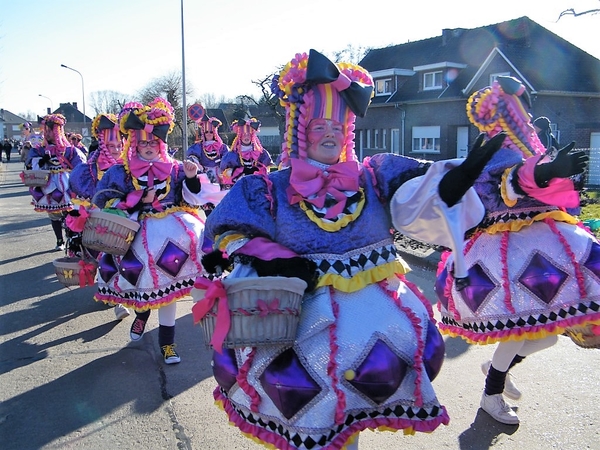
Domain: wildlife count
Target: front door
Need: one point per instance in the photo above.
(462, 142)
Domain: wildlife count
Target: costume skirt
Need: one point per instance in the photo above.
(160, 266)
(360, 360)
(55, 196)
(526, 284)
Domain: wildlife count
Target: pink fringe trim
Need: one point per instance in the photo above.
(193, 246)
(505, 278)
(151, 262)
(269, 438)
(332, 365)
(242, 379)
(567, 247)
(418, 357)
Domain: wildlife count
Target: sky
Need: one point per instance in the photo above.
(123, 45)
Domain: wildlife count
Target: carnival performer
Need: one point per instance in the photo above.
(207, 152)
(84, 179)
(520, 293)
(60, 158)
(247, 155)
(162, 193)
(367, 347)
(76, 141)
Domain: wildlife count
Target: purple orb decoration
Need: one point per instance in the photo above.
(435, 348)
(225, 368)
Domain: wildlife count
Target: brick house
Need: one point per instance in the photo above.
(421, 88)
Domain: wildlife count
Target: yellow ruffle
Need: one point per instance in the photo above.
(504, 191)
(81, 202)
(516, 225)
(173, 209)
(338, 224)
(222, 243)
(365, 278)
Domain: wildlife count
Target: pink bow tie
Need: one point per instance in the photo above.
(307, 181)
(157, 170)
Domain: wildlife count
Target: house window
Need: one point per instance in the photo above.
(426, 139)
(376, 138)
(494, 76)
(432, 80)
(383, 87)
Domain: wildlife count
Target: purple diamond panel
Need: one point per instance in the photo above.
(130, 267)
(107, 267)
(480, 285)
(380, 374)
(440, 284)
(288, 384)
(593, 261)
(172, 259)
(543, 278)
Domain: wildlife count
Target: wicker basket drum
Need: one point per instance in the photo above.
(108, 233)
(585, 336)
(69, 271)
(34, 178)
(264, 311)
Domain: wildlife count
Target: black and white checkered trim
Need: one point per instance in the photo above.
(357, 262)
(524, 322)
(308, 441)
(148, 296)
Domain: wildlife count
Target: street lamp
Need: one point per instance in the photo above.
(184, 142)
(51, 103)
(82, 88)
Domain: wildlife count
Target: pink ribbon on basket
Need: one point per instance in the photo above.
(215, 292)
(265, 308)
(86, 274)
(77, 223)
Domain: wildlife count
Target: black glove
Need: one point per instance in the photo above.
(44, 160)
(296, 267)
(563, 166)
(193, 184)
(214, 262)
(458, 180)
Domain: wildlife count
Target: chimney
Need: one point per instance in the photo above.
(75, 105)
(446, 35)
(48, 110)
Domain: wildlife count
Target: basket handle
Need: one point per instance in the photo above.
(93, 201)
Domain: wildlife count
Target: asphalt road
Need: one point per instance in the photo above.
(70, 377)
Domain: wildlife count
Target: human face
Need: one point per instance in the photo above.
(148, 150)
(246, 137)
(48, 134)
(115, 147)
(209, 135)
(325, 140)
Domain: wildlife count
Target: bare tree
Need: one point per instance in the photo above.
(211, 100)
(107, 102)
(29, 115)
(350, 54)
(170, 87)
(572, 12)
